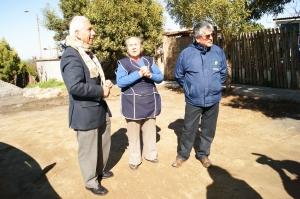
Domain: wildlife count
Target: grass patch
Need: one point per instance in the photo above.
(52, 83)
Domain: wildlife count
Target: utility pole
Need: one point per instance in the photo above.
(39, 39)
(38, 32)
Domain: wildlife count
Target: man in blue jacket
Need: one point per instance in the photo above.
(89, 114)
(200, 71)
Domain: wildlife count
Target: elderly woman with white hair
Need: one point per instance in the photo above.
(140, 101)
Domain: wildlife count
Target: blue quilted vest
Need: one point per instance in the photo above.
(140, 100)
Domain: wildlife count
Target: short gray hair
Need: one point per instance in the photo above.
(202, 27)
(77, 23)
(137, 38)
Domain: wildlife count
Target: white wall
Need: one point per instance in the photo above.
(49, 69)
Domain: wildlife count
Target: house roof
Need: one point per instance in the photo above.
(287, 19)
(182, 32)
(48, 59)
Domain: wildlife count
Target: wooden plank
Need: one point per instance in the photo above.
(238, 57)
(261, 59)
(286, 53)
(284, 72)
(233, 63)
(255, 60)
(277, 58)
(248, 59)
(294, 57)
(269, 68)
(267, 57)
(271, 58)
(244, 57)
(275, 65)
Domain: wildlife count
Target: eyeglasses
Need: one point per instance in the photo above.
(207, 37)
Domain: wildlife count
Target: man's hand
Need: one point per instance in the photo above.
(106, 91)
(109, 84)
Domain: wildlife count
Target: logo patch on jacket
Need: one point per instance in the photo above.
(215, 62)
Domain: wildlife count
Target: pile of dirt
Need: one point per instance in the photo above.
(7, 89)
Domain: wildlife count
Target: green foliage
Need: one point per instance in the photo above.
(52, 83)
(260, 7)
(59, 25)
(114, 21)
(31, 68)
(9, 62)
(267, 83)
(231, 16)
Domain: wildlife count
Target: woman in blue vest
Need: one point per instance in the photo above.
(140, 101)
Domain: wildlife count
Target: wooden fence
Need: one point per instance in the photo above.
(267, 58)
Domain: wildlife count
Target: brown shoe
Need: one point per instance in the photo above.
(206, 162)
(178, 162)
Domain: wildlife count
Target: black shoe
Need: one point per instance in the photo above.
(100, 190)
(133, 167)
(107, 174)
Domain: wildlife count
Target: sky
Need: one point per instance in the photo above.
(19, 28)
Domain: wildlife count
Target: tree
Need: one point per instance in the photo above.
(260, 7)
(114, 21)
(9, 62)
(231, 16)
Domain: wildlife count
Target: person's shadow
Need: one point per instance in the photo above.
(282, 167)
(225, 186)
(119, 143)
(177, 127)
(22, 177)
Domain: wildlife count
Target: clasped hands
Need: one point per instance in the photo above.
(106, 88)
(145, 72)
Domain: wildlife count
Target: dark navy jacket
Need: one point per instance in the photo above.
(87, 109)
(200, 72)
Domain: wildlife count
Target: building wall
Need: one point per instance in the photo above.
(49, 69)
(172, 47)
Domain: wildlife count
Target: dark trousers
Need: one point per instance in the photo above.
(209, 116)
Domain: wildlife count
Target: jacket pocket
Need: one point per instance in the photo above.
(86, 104)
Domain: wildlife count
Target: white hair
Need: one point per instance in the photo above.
(77, 23)
(137, 38)
(201, 28)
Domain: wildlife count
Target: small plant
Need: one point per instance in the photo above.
(52, 83)
(267, 83)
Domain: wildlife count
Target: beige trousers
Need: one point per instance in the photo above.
(149, 149)
(93, 151)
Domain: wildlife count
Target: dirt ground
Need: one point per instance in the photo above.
(255, 152)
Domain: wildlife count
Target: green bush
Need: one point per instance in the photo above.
(52, 83)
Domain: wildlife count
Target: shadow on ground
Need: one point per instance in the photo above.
(177, 127)
(119, 143)
(225, 186)
(22, 177)
(288, 170)
(273, 109)
(282, 108)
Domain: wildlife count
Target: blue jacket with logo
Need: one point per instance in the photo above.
(200, 72)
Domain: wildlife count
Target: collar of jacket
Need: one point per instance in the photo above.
(202, 49)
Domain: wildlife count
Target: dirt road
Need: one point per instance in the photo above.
(255, 152)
